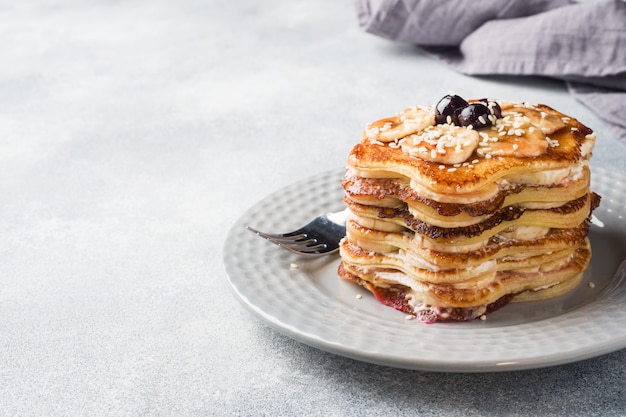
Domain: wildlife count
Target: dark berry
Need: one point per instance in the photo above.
(449, 106)
(475, 114)
(495, 108)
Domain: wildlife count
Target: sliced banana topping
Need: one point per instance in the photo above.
(516, 129)
(548, 123)
(514, 134)
(446, 144)
(407, 122)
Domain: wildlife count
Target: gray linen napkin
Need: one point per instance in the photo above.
(583, 44)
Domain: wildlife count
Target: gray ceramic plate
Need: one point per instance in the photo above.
(311, 304)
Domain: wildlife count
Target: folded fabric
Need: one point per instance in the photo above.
(583, 44)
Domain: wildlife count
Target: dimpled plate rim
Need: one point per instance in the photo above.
(305, 299)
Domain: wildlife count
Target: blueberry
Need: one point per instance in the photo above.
(476, 115)
(495, 108)
(449, 106)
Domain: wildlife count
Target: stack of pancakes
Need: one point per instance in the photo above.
(452, 222)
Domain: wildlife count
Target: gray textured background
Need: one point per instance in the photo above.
(133, 134)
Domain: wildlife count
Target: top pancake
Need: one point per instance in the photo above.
(528, 145)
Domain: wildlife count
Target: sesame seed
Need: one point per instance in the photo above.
(386, 127)
(483, 317)
(359, 296)
(475, 161)
(544, 114)
(451, 169)
(409, 317)
(488, 156)
(442, 166)
(519, 132)
(502, 133)
(293, 266)
(515, 146)
(449, 120)
(591, 285)
(574, 129)
(482, 120)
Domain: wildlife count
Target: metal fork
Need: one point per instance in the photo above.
(320, 237)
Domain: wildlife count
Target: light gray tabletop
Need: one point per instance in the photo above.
(133, 135)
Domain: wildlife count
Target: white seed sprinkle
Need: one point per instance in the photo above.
(475, 161)
(553, 143)
(488, 156)
(515, 146)
(385, 127)
(442, 167)
(574, 129)
(293, 266)
(482, 120)
(449, 120)
(409, 317)
(591, 285)
(451, 169)
(483, 317)
(359, 296)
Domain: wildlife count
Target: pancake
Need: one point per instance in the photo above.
(458, 211)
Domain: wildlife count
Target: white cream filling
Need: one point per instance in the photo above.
(548, 177)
